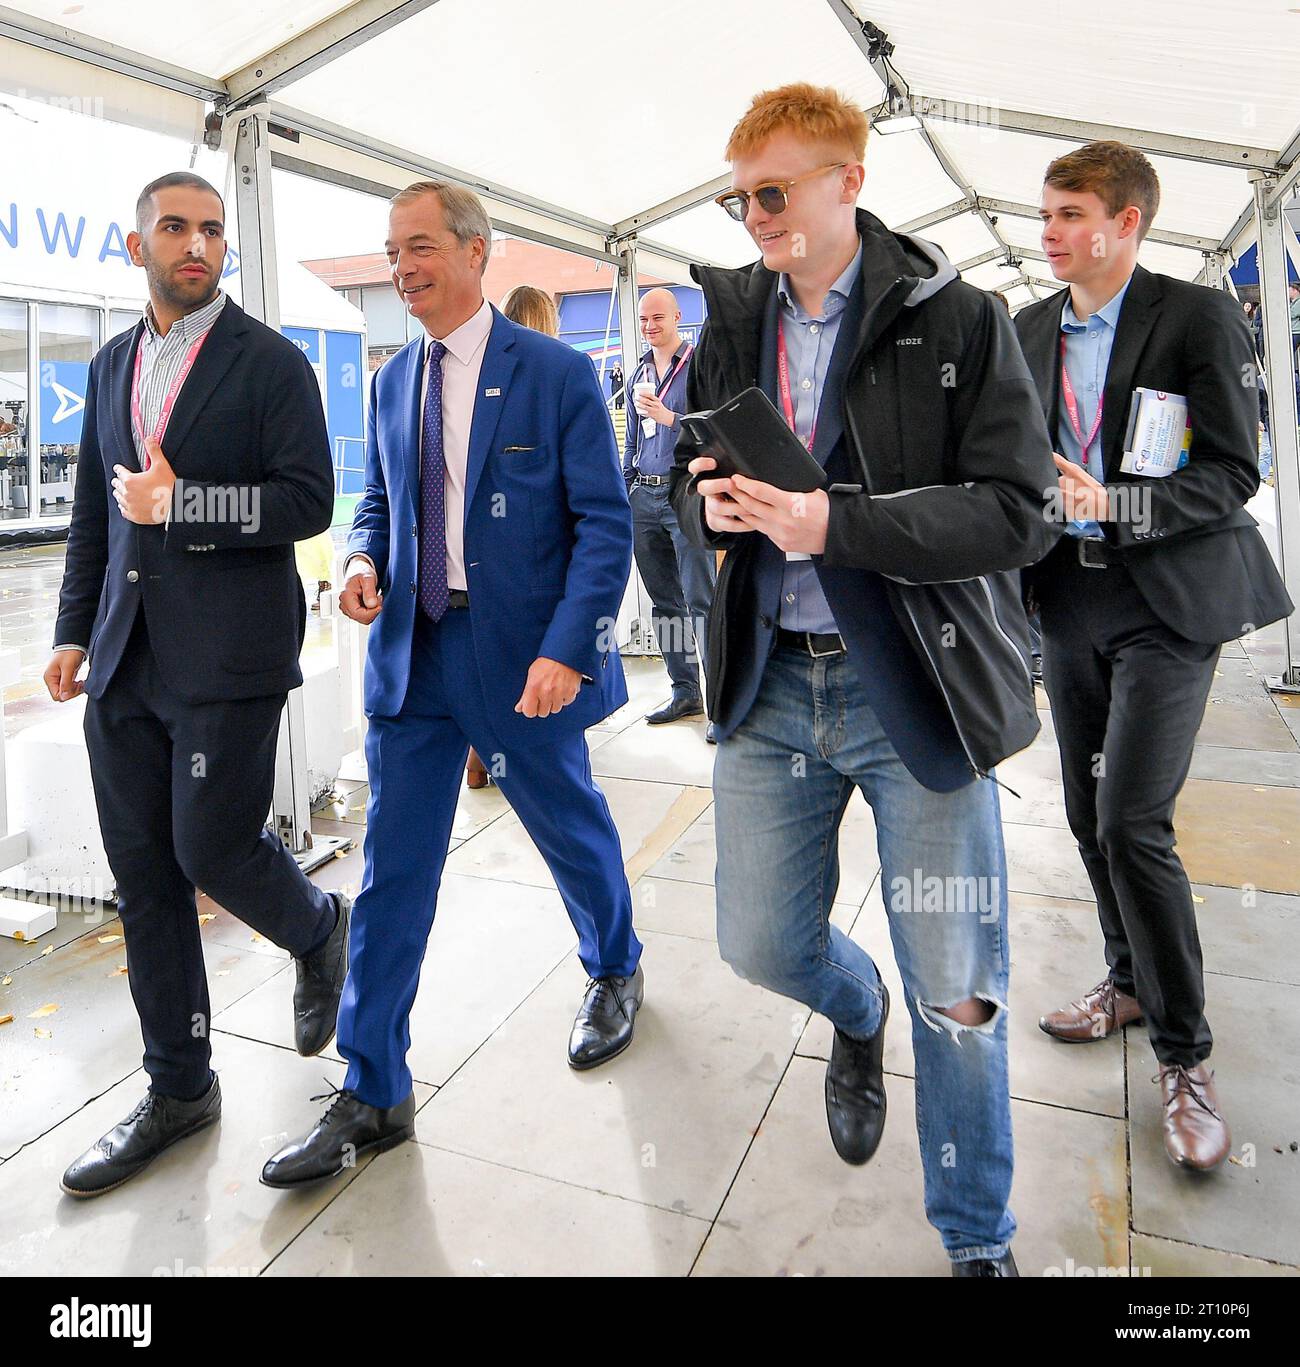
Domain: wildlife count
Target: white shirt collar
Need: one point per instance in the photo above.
(468, 338)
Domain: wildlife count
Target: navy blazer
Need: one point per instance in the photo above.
(548, 530)
(218, 585)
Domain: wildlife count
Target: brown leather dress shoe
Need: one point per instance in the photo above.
(1196, 1134)
(476, 774)
(1094, 1016)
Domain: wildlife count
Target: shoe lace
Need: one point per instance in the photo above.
(603, 993)
(339, 1095)
(1104, 993)
(1183, 1082)
(144, 1104)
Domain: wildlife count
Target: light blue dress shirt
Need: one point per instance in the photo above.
(809, 344)
(1087, 359)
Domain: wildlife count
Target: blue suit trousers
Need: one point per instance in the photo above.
(415, 761)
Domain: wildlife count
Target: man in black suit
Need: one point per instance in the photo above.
(204, 457)
(1155, 575)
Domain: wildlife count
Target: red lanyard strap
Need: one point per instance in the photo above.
(783, 382)
(672, 374)
(1072, 409)
(169, 400)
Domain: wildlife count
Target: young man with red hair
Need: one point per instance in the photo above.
(1155, 575)
(870, 634)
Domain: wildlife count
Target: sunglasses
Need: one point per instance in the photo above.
(773, 195)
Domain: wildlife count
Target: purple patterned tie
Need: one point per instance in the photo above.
(433, 507)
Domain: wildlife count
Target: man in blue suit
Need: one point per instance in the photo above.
(491, 549)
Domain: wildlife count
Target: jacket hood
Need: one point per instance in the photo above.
(932, 267)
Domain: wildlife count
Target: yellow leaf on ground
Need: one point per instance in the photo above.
(5, 1020)
(258, 939)
(6, 982)
(109, 939)
(47, 1010)
(340, 854)
(49, 949)
(206, 916)
(43, 1034)
(118, 972)
(1195, 898)
(18, 935)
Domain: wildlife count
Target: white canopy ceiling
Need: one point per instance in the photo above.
(577, 116)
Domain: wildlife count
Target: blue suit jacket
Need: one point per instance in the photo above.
(548, 531)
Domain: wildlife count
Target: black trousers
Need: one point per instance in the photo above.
(183, 791)
(1127, 699)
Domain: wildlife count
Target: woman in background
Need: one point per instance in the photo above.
(530, 308)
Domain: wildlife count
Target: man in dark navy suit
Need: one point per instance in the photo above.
(204, 457)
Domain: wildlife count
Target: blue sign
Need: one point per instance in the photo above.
(63, 401)
(307, 340)
(345, 379)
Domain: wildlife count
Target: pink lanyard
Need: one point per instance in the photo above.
(672, 374)
(783, 379)
(169, 402)
(1072, 410)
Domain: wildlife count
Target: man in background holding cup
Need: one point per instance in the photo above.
(678, 576)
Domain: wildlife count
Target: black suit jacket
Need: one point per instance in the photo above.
(1197, 556)
(218, 585)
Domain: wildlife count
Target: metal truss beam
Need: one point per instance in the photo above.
(319, 45)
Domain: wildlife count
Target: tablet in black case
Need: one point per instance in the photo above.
(747, 436)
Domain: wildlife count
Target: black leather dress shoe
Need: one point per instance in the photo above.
(321, 975)
(1005, 1266)
(603, 1025)
(681, 706)
(348, 1129)
(855, 1092)
(711, 734)
(129, 1147)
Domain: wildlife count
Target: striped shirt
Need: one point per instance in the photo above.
(161, 358)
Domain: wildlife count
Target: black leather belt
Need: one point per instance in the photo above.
(1095, 554)
(651, 479)
(457, 598)
(814, 643)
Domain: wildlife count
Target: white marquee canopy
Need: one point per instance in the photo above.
(599, 124)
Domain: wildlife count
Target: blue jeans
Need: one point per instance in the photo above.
(679, 579)
(781, 784)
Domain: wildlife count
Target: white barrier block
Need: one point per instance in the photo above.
(25, 920)
(51, 798)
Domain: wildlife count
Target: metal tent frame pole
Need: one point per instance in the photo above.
(254, 204)
(1280, 363)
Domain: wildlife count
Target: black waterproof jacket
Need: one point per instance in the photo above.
(944, 430)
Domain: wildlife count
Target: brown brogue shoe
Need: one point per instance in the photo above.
(1196, 1134)
(1094, 1016)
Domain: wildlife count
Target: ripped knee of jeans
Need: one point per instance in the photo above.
(935, 1015)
